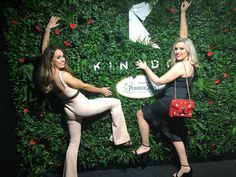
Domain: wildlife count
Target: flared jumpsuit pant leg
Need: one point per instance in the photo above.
(81, 108)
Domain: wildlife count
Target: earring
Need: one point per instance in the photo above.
(52, 65)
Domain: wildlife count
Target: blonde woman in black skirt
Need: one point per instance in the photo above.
(183, 64)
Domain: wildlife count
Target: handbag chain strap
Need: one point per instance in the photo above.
(186, 84)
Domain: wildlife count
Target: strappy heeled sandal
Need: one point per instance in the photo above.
(143, 157)
(187, 174)
(127, 144)
(123, 145)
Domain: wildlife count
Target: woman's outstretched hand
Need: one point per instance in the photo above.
(141, 64)
(105, 91)
(53, 22)
(185, 5)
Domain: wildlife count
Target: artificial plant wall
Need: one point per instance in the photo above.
(97, 31)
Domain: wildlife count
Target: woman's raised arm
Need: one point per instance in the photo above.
(183, 19)
(51, 24)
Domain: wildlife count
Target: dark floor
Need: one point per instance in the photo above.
(223, 168)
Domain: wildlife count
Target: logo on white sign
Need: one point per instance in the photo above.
(138, 87)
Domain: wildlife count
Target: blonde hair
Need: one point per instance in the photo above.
(190, 49)
(44, 75)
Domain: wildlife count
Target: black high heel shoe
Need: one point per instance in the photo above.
(187, 174)
(143, 157)
(125, 145)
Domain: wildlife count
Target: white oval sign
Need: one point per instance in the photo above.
(138, 87)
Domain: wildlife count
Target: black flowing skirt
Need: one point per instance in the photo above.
(157, 114)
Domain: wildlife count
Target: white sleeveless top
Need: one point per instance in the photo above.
(68, 92)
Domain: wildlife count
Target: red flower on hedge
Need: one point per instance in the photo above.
(66, 43)
(32, 142)
(217, 81)
(38, 28)
(225, 75)
(57, 31)
(14, 21)
(25, 110)
(90, 21)
(172, 10)
(210, 102)
(214, 146)
(209, 53)
(73, 26)
(234, 9)
(22, 60)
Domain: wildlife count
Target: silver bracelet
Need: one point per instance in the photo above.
(47, 29)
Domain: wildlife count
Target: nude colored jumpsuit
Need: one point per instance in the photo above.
(81, 107)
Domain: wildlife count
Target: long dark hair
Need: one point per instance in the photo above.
(44, 76)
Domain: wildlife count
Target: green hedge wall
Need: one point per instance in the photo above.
(101, 35)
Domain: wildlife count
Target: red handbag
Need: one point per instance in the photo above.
(181, 107)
